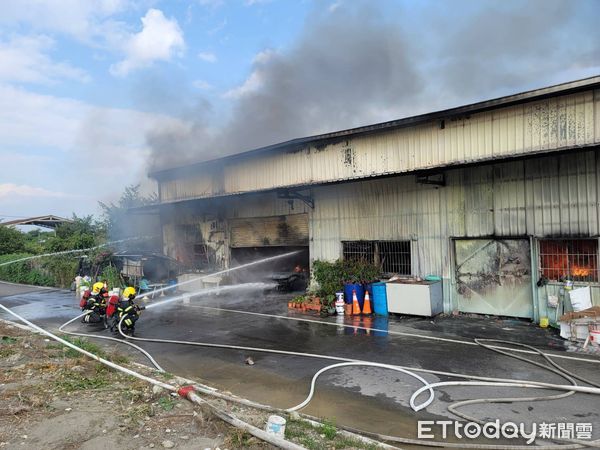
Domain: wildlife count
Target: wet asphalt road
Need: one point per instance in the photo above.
(366, 398)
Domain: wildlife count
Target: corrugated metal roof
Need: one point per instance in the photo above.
(528, 96)
(563, 123)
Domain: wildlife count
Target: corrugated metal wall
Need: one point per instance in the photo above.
(557, 123)
(540, 197)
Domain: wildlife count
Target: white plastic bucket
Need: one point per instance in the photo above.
(276, 426)
(339, 307)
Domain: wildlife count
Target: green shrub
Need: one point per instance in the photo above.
(112, 276)
(62, 269)
(331, 276)
(11, 240)
(25, 272)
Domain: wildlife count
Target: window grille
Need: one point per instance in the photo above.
(575, 259)
(394, 257)
(359, 251)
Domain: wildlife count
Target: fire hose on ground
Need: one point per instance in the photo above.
(186, 393)
(482, 381)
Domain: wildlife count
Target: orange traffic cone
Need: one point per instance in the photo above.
(367, 304)
(355, 305)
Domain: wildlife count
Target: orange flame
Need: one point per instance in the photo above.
(580, 271)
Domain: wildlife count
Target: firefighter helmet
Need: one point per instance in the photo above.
(97, 287)
(129, 293)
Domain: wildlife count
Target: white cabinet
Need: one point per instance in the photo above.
(419, 298)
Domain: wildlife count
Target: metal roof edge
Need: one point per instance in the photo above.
(486, 105)
(48, 218)
(434, 169)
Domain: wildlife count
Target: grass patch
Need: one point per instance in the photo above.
(6, 348)
(166, 403)
(54, 347)
(239, 438)
(6, 352)
(139, 412)
(119, 359)
(8, 340)
(305, 434)
(297, 428)
(85, 345)
(343, 442)
(328, 429)
(76, 382)
(166, 375)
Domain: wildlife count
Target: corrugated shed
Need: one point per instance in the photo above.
(542, 197)
(562, 122)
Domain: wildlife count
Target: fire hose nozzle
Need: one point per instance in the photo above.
(185, 390)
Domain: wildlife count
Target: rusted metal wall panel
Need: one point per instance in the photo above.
(546, 125)
(289, 230)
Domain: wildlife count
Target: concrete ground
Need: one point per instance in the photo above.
(371, 399)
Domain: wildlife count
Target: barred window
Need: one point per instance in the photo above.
(576, 259)
(359, 250)
(394, 257)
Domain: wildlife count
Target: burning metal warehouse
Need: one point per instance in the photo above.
(498, 199)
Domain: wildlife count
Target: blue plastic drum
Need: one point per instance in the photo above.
(360, 293)
(380, 299)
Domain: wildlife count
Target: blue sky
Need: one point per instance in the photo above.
(93, 93)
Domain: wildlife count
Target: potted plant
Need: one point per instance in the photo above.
(327, 305)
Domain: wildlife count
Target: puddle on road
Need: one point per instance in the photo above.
(343, 406)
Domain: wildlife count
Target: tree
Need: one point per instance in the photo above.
(11, 240)
(121, 223)
(83, 232)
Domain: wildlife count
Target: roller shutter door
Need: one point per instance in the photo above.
(274, 231)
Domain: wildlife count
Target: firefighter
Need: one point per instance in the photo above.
(127, 312)
(96, 305)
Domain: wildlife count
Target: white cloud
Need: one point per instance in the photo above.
(24, 190)
(201, 84)
(207, 57)
(256, 79)
(159, 39)
(256, 2)
(252, 84)
(25, 59)
(80, 19)
(62, 145)
(264, 56)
